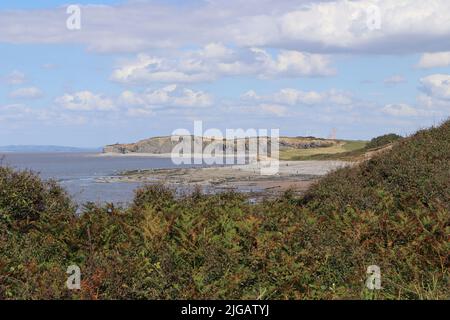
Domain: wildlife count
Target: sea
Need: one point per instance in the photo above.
(79, 173)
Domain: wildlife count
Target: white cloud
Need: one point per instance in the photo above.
(15, 78)
(274, 109)
(215, 61)
(434, 101)
(140, 112)
(85, 101)
(292, 64)
(435, 96)
(294, 97)
(336, 26)
(399, 110)
(217, 51)
(169, 96)
(434, 60)
(14, 112)
(147, 69)
(437, 86)
(26, 93)
(296, 103)
(16, 115)
(407, 26)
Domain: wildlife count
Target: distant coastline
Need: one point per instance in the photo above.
(114, 154)
(44, 149)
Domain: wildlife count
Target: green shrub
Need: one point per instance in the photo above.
(383, 140)
(155, 195)
(23, 196)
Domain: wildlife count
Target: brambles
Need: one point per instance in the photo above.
(391, 211)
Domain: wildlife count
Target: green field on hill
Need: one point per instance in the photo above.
(340, 147)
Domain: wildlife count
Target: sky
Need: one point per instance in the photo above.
(119, 71)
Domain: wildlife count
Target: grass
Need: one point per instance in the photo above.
(352, 145)
(391, 211)
(315, 153)
(359, 150)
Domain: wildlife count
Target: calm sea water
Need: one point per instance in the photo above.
(77, 172)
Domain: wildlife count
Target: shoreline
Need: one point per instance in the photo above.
(150, 155)
(297, 176)
(158, 155)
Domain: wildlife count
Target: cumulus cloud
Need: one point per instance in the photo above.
(26, 93)
(15, 78)
(296, 103)
(292, 64)
(134, 104)
(18, 114)
(437, 86)
(14, 112)
(274, 109)
(77, 108)
(293, 97)
(433, 101)
(169, 96)
(146, 69)
(405, 26)
(434, 60)
(215, 61)
(216, 50)
(435, 96)
(85, 101)
(139, 112)
(399, 110)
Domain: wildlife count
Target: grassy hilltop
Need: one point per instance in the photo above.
(291, 148)
(392, 210)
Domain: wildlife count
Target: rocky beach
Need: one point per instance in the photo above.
(294, 175)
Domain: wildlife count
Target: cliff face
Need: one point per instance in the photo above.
(158, 145)
(164, 145)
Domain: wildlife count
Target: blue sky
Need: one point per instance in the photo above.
(137, 69)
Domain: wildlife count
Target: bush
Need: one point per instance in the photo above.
(155, 195)
(383, 140)
(23, 196)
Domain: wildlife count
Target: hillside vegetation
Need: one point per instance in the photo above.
(291, 148)
(357, 150)
(334, 151)
(164, 145)
(392, 211)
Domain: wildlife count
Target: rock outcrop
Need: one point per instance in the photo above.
(165, 145)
